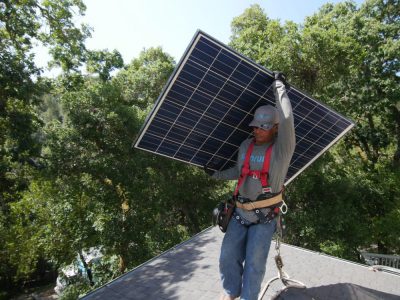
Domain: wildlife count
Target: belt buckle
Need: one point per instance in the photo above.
(240, 199)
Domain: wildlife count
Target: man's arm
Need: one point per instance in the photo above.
(286, 141)
(234, 172)
(228, 174)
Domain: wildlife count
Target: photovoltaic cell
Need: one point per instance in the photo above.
(202, 115)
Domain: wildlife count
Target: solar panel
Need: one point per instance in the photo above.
(202, 115)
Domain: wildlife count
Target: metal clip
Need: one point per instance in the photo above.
(278, 262)
(284, 208)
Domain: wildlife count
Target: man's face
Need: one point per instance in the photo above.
(263, 136)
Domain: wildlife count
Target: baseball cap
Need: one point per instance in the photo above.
(265, 117)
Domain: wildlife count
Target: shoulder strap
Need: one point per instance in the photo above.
(265, 170)
(245, 168)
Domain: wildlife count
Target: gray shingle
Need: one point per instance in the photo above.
(190, 271)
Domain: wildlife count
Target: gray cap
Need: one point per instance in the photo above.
(265, 117)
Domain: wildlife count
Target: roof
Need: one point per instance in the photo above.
(190, 271)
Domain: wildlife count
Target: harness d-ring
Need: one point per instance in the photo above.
(283, 208)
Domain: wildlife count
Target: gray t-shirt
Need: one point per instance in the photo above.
(281, 155)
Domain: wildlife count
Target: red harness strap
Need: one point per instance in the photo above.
(259, 174)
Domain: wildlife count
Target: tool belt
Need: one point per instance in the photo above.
(251, 205)
(222, 214)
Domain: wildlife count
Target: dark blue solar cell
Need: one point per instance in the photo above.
(248, 69)
(240, 78)
(222, 131)
(201, 158)
(150, 142)
(202, 58)
(314, 149)
(211, 145)
(159, 127)
(317, 114)
(305, 128)
(315, 133)
(188, 118)
(342, 124)
(169, 111)
(216, 162)
(324, 138)
(301, 147)
(210, 85)
(176, 95)
(248, 100)
(168, 148)
(178, 134)
(199, 101)
(305, 148)
(223, 69)
(229, 58)
(299, 163)
(226, 150)
(208, 47)
(207, 125)
(258, 85)
(217, 110)
(191, 76)
(185, 153)
(234, 117)
(295, 97)
(195, 139)
(307, 106)
(229, 94)
(194, 70)
(243, 75)
(228, 163)
(238, 136)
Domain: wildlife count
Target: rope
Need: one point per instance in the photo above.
(282, 275)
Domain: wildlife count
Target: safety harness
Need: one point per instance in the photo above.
(263, 201)
(262, 174)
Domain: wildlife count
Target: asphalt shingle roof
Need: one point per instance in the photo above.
(190, 271)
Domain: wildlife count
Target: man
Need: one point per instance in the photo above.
(248, 237)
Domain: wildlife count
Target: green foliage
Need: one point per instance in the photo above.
(103, 62)
(25, 24)
(143, 79)
(75, 290)
(95, 190)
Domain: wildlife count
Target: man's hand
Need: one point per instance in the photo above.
(281, 77)
(208, 171)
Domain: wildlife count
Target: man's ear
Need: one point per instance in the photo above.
(275, 128)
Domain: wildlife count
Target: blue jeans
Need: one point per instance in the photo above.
(243, 258)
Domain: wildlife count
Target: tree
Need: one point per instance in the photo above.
(23, 24)
(95, 190)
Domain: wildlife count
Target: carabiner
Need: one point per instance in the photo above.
(283, 208)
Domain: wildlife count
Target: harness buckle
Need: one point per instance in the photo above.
(266, 190)
(255, 176)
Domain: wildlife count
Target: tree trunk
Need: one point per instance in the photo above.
(122, 263)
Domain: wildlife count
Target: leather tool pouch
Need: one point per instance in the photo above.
(223, 213)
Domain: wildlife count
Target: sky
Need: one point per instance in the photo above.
(131, 26)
